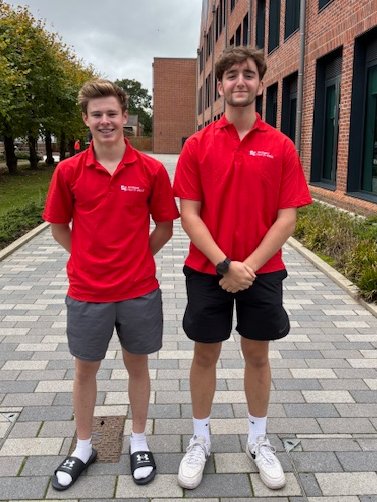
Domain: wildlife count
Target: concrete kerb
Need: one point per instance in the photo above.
(336, 276)
(22, 240)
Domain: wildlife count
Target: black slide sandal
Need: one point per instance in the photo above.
(74, 467)
(143, 459)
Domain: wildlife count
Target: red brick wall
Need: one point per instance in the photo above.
(337, 25)
(174, 102)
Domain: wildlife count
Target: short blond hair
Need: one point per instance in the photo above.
(101, 88)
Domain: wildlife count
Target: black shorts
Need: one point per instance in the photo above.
(209, 313)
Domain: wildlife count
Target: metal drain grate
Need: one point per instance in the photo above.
(7, 421)
(107, 438)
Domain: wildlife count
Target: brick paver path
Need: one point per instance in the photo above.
(323, 412)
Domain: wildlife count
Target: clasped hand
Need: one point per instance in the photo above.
(238, 278)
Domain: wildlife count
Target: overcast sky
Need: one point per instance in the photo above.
(120, 38)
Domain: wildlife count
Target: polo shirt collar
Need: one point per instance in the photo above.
(129, 155)
(258, 124)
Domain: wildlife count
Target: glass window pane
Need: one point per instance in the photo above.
(328, 171)
(369, 175)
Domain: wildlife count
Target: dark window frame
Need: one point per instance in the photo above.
(292, 17)
(365, 57)
(289, 106)
(328, 73)
(274, 25)
(322, 4)
(260, 24)
(237, 37)
(272, 104)
(245, 30)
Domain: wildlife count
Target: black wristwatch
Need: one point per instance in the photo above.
(223, 267)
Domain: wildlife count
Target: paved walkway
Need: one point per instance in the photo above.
(323, 412)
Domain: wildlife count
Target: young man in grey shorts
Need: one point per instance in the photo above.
(99, 205)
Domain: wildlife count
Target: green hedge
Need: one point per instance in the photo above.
(16, 222)
(346, 242)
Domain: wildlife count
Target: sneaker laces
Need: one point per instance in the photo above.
(195, 452)
(267, 452)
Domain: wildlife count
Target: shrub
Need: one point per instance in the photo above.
(349, 242)
(16, 222)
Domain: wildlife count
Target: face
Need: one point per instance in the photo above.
(105, 120)
(240, 84)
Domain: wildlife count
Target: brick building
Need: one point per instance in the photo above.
(320, 86)
(174, 103)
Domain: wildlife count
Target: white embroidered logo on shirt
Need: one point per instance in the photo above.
(131, 188)
(260, 153)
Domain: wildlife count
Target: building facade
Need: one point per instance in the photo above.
(174, 103)
(320, 86)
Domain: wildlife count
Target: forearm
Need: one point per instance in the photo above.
(201, 237)
(273, 241)
(160, 235)
(62, 234)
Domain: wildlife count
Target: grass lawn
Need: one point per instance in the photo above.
(28, 186)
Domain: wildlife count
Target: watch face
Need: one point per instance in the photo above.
(222, 267)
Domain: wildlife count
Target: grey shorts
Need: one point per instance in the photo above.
(138, 323)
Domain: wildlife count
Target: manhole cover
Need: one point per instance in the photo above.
(107, 438)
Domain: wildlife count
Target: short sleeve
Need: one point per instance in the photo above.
(187, 184)
(59, 201)
(294, 191)
(162, 203)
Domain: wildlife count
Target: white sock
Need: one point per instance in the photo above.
(82, 451)
(201, 428)
(138, 442)
(257, 427)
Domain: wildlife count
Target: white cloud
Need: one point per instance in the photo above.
(120, 38)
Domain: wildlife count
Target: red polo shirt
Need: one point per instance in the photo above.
(110, 256)
(241, 185)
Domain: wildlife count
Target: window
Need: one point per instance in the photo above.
(289, 106)
(362, 160)
(326, 117)
(330, 123)
(201, 61)
(260, 24)
(274, 25)
(223, 5)
(208, 89)
(218, 29)
(292, 17)
(323, 3)
(200, 101)
(369, 167)
(259, 104)
(272, 104)
(238, 35)
(231, 41)
(208, 39)
(245, 30)
(232, 4)
(216, 92)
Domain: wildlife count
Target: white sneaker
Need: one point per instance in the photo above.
(270, 469)
(192, 465)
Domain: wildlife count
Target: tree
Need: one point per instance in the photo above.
(139, 102)
(39, 81)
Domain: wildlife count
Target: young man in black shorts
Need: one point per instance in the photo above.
(99, 204)
(239, 181)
